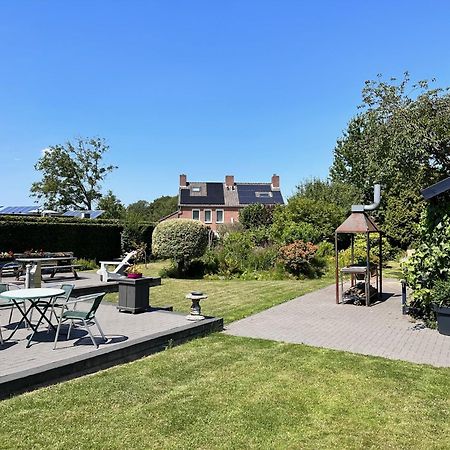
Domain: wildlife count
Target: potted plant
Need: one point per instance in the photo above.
(441, 305)
(133, 272)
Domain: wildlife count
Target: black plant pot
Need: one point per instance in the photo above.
(443, 319)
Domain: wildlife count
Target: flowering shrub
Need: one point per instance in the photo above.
(7, 255)
(298, 257)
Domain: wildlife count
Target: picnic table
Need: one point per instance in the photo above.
(51, 263)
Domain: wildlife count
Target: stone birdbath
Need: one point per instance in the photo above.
(196, 310)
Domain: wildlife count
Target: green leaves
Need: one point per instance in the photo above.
(72, 174)
(400, 138)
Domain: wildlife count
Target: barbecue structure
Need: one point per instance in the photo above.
(361, 275)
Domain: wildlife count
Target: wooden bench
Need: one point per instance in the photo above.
(61, 268)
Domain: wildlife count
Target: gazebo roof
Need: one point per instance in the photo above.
(358, 222)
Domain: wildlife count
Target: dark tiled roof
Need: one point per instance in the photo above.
(247, 193)
(436, 189)
(214, 196)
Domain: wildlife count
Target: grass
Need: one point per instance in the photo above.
(225, 392)
(393, 270)
(230, 299)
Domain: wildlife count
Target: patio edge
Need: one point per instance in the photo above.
(104, 358)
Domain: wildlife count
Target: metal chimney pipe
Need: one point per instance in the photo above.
(374, 205)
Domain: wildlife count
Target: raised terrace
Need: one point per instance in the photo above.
(129, 336)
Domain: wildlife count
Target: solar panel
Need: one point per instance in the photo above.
(249, 193)
(214, 196)
(94, 214)
(19, 209)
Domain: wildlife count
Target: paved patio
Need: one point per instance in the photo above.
(129, 336)
(380, 330)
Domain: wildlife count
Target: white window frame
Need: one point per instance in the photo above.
(223, 216)
(196, 189)
(198, 211)
(210, 217)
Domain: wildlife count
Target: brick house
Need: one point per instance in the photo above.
(219, 203)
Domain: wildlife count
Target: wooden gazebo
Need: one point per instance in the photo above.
(359, 223)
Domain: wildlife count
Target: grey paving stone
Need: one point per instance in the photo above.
(380, 330)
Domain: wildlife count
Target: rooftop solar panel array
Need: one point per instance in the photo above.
(94, 214)
(247, 194)
(19, 209)
(214, 196)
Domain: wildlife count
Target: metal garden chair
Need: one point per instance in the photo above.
(58, 302)
(8, 304)
(84, 318)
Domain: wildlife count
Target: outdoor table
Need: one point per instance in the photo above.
(37, 262)
(34, 296)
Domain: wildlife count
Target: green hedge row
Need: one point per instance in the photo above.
(98, 239)
(85, 240)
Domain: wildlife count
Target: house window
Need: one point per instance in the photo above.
(263, 194)
(219, 216)
(196, 189)
(208, 216)
(196, 214)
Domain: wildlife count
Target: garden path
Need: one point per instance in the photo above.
(380, 330)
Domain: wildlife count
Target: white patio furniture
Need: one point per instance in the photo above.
(118, 272)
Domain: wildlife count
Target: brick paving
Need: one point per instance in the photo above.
(380, 330)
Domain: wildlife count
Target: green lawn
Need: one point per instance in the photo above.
(230, 299)
(224, 392)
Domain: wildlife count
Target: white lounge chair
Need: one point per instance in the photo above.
(118, 272)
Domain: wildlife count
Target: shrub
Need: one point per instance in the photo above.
(181, 240)
(256, 215)
(298, 257)
(430, 262)
(86, 264)
(233, 254)
(360, 252)
(306, 219)
(324, 249)
(137, 236)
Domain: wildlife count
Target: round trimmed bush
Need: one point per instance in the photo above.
(181, 240)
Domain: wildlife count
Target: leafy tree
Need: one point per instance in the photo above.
(138, 211)
(256, 215)
(163, 206)
(112, 206)
(400, 138)
(306, 220)
(339, 193)
(72, 174)
(143, 210)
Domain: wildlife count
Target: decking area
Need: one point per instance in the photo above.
(129, 336)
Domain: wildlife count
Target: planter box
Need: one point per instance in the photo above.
(134, 294)
(443, 319)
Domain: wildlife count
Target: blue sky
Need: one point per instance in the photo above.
(206, 88)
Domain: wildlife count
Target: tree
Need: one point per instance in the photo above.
(181, 240)
(256, 215)
(72, 174)
(340, 194)
(306, 220)
(145, 211)
(112, 206)
(401, 138)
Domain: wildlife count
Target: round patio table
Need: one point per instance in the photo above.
(34, 296)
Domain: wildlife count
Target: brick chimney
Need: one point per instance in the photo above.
(229, 181)
(275, 181)
(183, 180)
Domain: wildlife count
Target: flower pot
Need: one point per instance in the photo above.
(134, 275)
(443, 319)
